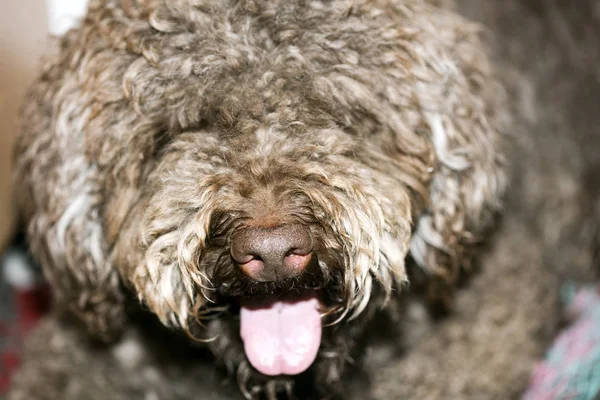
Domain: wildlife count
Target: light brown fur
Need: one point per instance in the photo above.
(155, 134)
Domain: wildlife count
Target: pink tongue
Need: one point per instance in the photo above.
(281, 336)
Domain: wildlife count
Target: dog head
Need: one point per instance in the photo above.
(272, 163)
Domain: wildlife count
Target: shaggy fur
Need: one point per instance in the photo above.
(163, 127)
(548, 52)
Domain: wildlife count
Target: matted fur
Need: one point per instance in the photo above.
(162, 127)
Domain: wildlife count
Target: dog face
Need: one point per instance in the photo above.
(270, 163)
(269, 213)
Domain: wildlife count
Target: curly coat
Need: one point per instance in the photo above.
(161, 128)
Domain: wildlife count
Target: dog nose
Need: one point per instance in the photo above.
(272, 254)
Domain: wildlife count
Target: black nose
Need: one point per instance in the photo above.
(272, 254)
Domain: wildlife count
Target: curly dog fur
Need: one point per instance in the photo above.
(161, 129)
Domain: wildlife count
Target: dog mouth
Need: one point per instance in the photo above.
(280, 320)
(280, 323)
(281, 334)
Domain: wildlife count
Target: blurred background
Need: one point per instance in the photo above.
(23, 33)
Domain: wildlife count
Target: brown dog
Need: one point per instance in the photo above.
(266, 176)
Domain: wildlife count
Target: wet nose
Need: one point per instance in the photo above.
(272, 254)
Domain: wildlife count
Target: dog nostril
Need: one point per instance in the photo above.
(253, 267)
(272, 254)
(296, 262)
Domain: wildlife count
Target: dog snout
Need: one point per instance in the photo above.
(272, 254)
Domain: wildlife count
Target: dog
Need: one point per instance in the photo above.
(269, 180)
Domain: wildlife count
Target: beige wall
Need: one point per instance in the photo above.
(22, 41)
